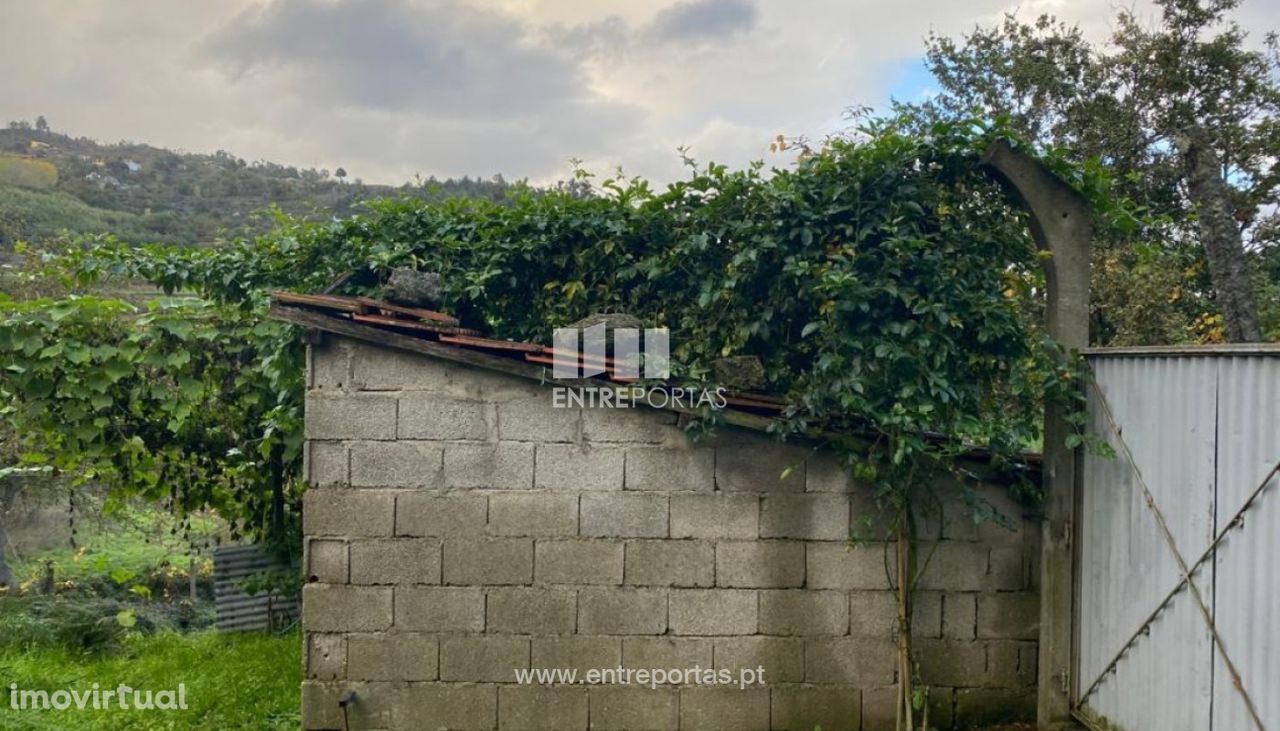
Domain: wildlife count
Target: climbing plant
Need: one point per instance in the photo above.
(886, 282)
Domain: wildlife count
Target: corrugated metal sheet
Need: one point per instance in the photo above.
(1202, 429)
(1247, 594)
(238, 611)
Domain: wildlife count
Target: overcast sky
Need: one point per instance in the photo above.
(390, 88)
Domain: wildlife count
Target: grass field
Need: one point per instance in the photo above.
(232, 682)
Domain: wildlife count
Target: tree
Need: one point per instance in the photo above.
(41, 124)
(1185, 115)
(340, 173)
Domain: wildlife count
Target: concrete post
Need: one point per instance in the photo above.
(1061, 225)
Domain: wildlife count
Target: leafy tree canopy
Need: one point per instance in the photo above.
(1134, 104)
(885, 281)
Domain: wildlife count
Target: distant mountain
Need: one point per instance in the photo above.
(51, 183)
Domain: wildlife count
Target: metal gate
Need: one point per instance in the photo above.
(1191, 494)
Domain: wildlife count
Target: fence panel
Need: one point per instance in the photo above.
(1195, 433)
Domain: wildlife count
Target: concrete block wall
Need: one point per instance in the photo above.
(458, 529)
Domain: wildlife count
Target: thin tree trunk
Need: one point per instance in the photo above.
(6, 576)
(905, 689)
(1223, 245)
(6, 500)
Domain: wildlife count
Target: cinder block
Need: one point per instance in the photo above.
(715, 516)
(926, 616)
(321, 712)
(326, 656)
(955, 566)
(435, 417)
(640, 425)
(483, 658)
(577, 652)
(397, 657)
(865, 566)
(798, 612)
(1007, 570)
(880, 707)
(978, 707)
(716, 709)
(329, 365)
(534, 420)
(624, 515)
(830, 709)
(670, 563)
(666, 653)
(533, 514)
(327, 561)
(758, 465)
(396, 561)
(336, 608)
(336, 415)
(541, 708)
(959, 616)
(813, 517)
(327, 464)
(620, 708)
(1013, 616)
(530, 611)
(781, 657)
(1011, 664)
(439, 609)
(760, 564)
(474, 562)
(387, 369)
(824, 473)
(664, 468)
(713, 612)
(396, 464)
(622, 611)
(369, 513)
(446, 516)
(494, 387)
(875, 614)
(441, 705)
(857, 661)
(505, 465)
(579, 467)
(951, 662)
(578, 562)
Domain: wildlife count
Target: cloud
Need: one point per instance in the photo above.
(703, 20)
(442, 58)
(389, 88)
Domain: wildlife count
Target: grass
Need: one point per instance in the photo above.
(28, 172)
(233, 681)
(131, 548)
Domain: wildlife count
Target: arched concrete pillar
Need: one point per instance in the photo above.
(1061, 225)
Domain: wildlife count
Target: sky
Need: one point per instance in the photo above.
(390, 89)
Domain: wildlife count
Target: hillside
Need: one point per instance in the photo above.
(51, 183)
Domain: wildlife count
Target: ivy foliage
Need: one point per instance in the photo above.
(885, 281)
(182, 403)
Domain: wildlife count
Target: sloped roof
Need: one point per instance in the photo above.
(439, 335)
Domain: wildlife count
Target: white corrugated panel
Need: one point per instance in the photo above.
(1164, 408)
(1247, 596)
(1203, 429)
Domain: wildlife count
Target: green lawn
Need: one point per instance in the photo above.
(233, 681)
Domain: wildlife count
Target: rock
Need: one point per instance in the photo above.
(413, 288)
(740, 373)
(611, 320)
